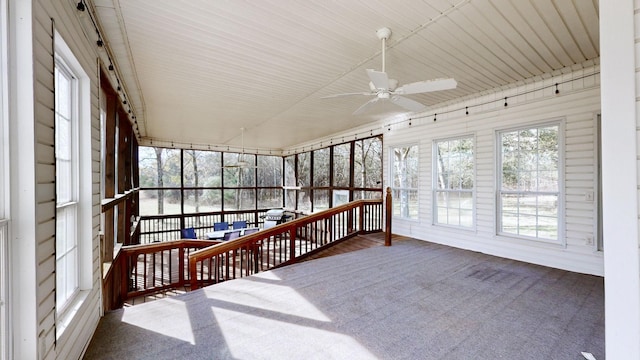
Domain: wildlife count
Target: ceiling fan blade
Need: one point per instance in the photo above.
(407, 103)
(240, 166)
(346, 94)
(427, 86)
(379, 79)
(366, 105)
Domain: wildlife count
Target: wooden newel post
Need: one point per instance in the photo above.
(387, 218)
(292, 244)
(193, 274)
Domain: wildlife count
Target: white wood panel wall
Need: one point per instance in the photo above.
(576, 106)
(62, 15)
(22, 261)
(620, 36)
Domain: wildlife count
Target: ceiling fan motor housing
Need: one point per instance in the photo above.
(384, 33)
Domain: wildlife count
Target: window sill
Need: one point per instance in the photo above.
(527, 239)
(471, 229)
(398, 218)
(66, 317)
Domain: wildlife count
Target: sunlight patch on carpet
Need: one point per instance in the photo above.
(172, 319)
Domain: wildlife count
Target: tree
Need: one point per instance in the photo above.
(368, 163)
(196, 182)
(160, 182)
(159, 168)
(341, 164)
(402, 176)
(321, 167)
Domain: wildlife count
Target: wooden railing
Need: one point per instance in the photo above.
(283, 244)
(150, 268)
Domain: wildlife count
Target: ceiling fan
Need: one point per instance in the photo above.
(240, 163)
(383, 88)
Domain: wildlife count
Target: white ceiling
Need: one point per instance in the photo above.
(196, 71)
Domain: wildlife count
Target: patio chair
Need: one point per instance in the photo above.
(231, 235)
(240, 224)
(188, 233)
(220, 226)
(251, 231)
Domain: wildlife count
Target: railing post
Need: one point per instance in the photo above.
(292, 243)
(361, 208)
(124, 277)
(193, 274)
(180, 265)
(387, 217)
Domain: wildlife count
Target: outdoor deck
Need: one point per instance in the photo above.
(413, 300)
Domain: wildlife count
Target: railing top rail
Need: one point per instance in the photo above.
(332, 211)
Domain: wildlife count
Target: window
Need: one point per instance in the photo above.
(321, 167)
(201, 170)
(66, 183)
(211, 181)
(454, 182)
(73, 182)
(368, 163)
(160, 176)
(341, 165)
(304, 180)
(529, 182)
(367, 167)
(269, 175)
(404, 181)
(290, 182)
(188, 181)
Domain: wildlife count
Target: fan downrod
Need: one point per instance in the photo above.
(383, 34)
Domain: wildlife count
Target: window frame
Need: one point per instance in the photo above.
(394, 190)
(4, 115)
(561, 190)
(68, 208)
(436, 190)
(294, 188)
(83, 227)
(5, 224)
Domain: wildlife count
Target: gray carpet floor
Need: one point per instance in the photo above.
(414, 300)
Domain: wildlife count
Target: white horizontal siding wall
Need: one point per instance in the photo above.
(63, 16)
(576, 106)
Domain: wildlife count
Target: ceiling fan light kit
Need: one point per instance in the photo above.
(384, 88)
